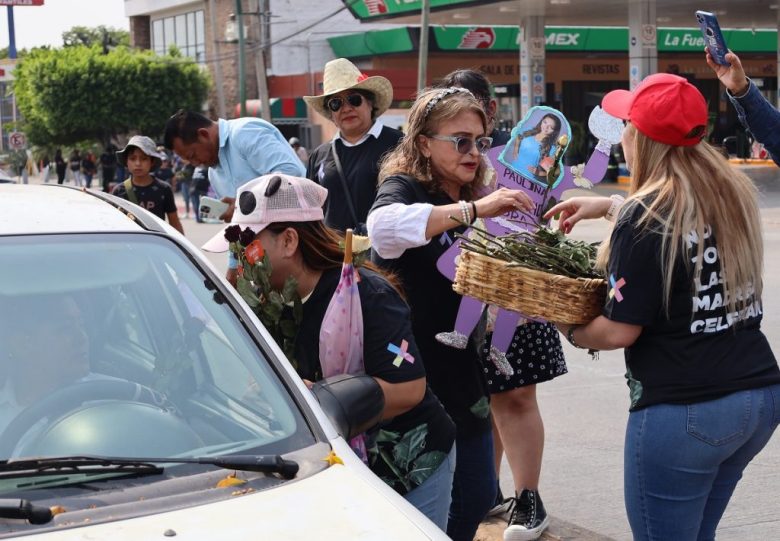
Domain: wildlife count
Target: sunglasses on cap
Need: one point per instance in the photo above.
(464, 144)
(334, 104)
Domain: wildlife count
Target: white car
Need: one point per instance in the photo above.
(140, 398)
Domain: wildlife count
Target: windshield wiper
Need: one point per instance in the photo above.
(103, 464)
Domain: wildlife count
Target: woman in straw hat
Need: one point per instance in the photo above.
(348, 165)
(430, 176)
(684, 266)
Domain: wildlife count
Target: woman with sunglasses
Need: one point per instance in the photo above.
(434, 174)
(348, 165)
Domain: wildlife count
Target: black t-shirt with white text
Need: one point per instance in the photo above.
(405, 450)
(700, 351)
(157, 197)
(455, 375)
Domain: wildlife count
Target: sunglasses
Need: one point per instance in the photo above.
(355, 100)
(464, 144)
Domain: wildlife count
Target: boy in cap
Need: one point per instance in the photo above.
(140, 157)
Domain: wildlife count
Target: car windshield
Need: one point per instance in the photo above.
(115, 345)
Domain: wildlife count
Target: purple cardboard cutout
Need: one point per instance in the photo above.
(608, 130)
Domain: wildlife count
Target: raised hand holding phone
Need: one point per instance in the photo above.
(713, 37)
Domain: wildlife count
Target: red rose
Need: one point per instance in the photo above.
(254, 252)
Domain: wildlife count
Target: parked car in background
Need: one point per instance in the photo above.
(140, 398)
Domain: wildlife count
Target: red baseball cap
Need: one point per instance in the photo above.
(664, 107)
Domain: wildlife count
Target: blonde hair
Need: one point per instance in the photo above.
(424, 119)
(693, 190)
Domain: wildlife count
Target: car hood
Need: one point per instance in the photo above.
(336, 504)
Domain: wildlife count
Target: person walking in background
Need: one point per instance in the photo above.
(436, 172)
(536, 356)
(140, 156)
(60, 166)
(753, 109)
(88, 168)
(299, 150)
(45, 168)
(348, 165)
(74, 165)
(235, 151)
(108, 167)
(684, 263)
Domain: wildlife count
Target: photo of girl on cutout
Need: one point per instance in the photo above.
(533, 144)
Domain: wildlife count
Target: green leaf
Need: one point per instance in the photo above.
(411, 445)
(385, 436)
(290, 289)
(247, 292)
(425, 465)
(481, 408)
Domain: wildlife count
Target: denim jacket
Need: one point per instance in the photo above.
(761, 118)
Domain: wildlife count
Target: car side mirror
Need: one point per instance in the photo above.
(353, 404)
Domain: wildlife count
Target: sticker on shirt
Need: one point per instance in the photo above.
(401, 354)
(321, 172)
(616, 286)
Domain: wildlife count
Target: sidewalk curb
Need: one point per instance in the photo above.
(559, 530)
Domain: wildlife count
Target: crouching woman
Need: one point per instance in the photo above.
(412, 449)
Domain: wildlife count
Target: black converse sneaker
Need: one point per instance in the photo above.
(501, 506)
(528, 519)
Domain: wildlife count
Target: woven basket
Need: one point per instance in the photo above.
(533, 293)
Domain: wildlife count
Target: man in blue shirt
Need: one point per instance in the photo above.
(235, 151)
(754, 111)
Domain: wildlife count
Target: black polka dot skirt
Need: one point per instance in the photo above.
(535, 354)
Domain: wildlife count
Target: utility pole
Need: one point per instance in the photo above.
(241, 60)
(218, 64)
(261, 59)
(11, 34)
(422, 62)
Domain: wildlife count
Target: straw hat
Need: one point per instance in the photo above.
(340, 75)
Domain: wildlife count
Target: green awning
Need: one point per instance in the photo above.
(557, 38)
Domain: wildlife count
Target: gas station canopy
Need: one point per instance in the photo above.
(745, 14)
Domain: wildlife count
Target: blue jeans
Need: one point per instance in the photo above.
(433, 497)
(682, 462)
(473, 487)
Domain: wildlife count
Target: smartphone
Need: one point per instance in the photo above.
(211, 209)
(713, 37)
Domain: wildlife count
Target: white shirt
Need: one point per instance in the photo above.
(395, 228)
(375, 130)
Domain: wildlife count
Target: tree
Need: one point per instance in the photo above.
(77, 94)
(107, 37)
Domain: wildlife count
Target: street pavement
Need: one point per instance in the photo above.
(585, 413)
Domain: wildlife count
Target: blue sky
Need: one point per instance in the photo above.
(44, 25)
